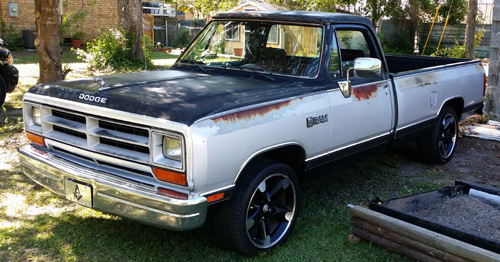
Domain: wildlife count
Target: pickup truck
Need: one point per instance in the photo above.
(256, 101)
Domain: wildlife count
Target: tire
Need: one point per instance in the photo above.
(263, 210)
(437, 146)
(3, 91)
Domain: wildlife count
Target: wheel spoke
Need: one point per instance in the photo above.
(263, 230)
(282, 184)
(442, 148)
(254, 218)
(281, 211)
(447, 122)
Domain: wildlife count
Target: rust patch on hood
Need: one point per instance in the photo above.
(365, 92)
(248, 114)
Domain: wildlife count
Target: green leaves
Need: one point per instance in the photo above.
(112, 49)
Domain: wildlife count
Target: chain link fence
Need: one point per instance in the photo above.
(169, 31)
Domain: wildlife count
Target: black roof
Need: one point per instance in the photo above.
(297, 16)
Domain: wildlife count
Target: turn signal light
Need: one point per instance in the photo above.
(170, 176)
(215, 197)
(36, 139)
(172, 194)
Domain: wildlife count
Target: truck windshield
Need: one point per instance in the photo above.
(266, 47)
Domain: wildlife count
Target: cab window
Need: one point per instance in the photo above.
(347, 45)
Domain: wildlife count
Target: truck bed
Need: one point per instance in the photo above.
(405, 63)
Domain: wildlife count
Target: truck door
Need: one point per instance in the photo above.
(365, 118)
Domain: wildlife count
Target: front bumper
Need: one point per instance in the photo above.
(112, 194)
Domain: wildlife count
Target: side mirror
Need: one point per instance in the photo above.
(366, 67)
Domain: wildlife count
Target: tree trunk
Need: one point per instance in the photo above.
(130, 18)
(470, 28)
(47, 40)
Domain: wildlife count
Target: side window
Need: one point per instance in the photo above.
(352, 44)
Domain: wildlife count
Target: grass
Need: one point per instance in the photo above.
(31, 57)
(37, 225)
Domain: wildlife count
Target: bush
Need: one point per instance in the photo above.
(403, 46)
(459, 51)
(183, 38)
(112, 49)
(13, 39)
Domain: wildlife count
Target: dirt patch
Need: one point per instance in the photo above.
(465, 213)
(475, 160)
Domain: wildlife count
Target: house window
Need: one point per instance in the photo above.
(273, 35)
(233, 33)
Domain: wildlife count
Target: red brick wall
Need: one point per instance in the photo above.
(26, 18)
(102, 15)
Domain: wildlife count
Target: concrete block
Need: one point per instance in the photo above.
(495, 39)
(496, 13)
(494, 67)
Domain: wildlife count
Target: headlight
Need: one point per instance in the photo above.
(10, 60)
(32, 117)
(36, 115)
(169, 150)
(172, 148)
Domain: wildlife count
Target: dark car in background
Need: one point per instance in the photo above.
(9, 75)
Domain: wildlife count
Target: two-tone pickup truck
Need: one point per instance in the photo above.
(255, 101)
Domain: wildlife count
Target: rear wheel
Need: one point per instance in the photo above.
(263, 210)
(438, 144)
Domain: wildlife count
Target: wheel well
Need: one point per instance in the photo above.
(292, 156)
(457, 104)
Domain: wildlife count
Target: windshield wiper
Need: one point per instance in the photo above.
(261, 72)
(194, 62)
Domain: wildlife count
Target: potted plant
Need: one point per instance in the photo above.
(76, 39)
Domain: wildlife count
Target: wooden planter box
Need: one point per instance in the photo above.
(389, 224)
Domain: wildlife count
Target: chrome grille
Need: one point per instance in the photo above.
(97, 134)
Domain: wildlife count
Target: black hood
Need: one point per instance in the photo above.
(173, 95)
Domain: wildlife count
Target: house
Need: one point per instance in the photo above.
(256, 6)
(100, 15)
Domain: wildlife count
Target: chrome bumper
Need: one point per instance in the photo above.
(113, 195)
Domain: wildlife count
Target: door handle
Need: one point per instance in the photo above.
(384, 86)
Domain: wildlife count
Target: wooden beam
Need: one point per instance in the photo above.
(392, 246)
(422, 235)
(406, 243)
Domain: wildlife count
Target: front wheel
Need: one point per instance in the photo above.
(438, 144)
(3, 91)
(263, 209)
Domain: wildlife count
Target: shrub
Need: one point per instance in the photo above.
(13, 39)
(78, 35)
(183, 38)
(404, 45)
(459, 51)
(112, 49)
